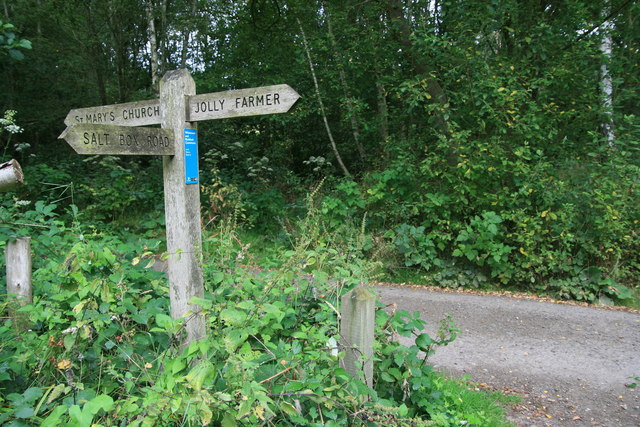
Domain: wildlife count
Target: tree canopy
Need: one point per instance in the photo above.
(474, 130)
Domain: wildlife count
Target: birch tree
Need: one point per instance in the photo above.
(606, 81)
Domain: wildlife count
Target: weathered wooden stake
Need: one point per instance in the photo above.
(182, 209)
(18, 260)
(10, 175)
(357, 329)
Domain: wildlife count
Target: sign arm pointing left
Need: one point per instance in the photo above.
(119, 140)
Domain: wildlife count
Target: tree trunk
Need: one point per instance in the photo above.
(322, 110)
(38, 20)
(383, 113)
(164, 39)
(187, 35)
(345, 88)
(120, 57)
(437, 93)
(97, 55)
(606, 81)
(153, 45)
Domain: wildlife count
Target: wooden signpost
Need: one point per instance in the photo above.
(109, 130)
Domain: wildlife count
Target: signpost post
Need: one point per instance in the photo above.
(109, 129)
(182, 209)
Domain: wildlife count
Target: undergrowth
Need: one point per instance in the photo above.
(98, 345)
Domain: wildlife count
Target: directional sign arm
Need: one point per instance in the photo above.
(120, 140)
(243, 102)
(137, 113)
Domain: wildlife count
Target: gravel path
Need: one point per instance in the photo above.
(570, 363)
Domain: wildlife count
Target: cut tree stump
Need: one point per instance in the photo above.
(11, 175)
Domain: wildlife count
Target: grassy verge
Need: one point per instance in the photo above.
(472, 402)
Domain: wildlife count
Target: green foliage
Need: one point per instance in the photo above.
(415, 246)
(102, 348)
(343, 204)
(10, 43)
(92, 337)
(481, 243)
(523, 222)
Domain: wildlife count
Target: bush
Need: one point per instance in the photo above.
(102, 347)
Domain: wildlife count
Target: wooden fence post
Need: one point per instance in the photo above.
(10, 175)
(18, 260)
(357, 330)
(17, 253)
(182, 209)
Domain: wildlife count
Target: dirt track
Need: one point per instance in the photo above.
(569, 363)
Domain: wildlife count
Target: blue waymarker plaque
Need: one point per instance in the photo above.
(191, 156)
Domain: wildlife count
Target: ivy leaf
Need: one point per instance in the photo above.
(205, 414)
(56, 392)
(233, 339)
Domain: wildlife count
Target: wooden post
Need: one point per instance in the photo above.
(10, 175)
(182, 209)
(18, 260)
(357, 329)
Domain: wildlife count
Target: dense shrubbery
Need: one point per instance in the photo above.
(517, 220)
(101, 347)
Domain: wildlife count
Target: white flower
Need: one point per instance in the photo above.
(13, 129)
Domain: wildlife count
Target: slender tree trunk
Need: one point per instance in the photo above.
(187, 35)
(120, 58)
(345, 88)
(322, 110)
(6, 9)
(38, 20)
(98, 57)
(606, 81)
(425, 71)
(164, 38)
(153, 45)
(437, 93)
(383, 110)
(185, 49)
